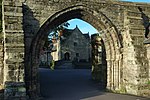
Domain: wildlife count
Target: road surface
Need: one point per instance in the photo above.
(75, 84)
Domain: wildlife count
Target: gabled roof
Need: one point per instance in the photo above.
(86, 36)
(68, 32)
(77, 29)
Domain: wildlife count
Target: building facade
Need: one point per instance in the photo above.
(72, 46)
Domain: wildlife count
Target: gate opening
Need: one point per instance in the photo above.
(80, 55)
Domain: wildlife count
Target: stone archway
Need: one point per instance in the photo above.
(108, 33)
(99, 63)
(30, 21)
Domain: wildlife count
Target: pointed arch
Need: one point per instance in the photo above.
(107, 31)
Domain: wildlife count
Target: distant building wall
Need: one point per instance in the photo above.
(77, 45)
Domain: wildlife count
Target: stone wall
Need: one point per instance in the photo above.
(27, 25)
(1, 53)
(81, 47)
(41, 17)
(121, 38)
(96, 57)
(13, 50)
(99, 64)
(1, 64)
(136, 68)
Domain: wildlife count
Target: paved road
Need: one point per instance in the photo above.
(75, 84)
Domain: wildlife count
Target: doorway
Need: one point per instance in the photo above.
(67, 56)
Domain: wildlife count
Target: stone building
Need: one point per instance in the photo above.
(74, 46)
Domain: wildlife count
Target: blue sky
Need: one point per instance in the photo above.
(82, 25)
(138, 0)
(86, 27)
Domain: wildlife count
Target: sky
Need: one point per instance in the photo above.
(147, 1)
(82, 25)
(86, 27)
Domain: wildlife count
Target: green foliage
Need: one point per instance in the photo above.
(54, 33)
(148, 82)
(52, 65)
(66, 33)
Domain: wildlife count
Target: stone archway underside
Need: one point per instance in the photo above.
(27, 24)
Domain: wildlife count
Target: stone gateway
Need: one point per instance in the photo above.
(27, 23)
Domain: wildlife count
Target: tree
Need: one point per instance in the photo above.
(58, 31)
(55, 34)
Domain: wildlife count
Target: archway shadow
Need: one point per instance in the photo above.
(76, 85)
(30, 27)
(70, 84)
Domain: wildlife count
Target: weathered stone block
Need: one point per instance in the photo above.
(13, 9)
(11, 67)
(111, 17)
(13, 3)
(15, 90)
(13, 14)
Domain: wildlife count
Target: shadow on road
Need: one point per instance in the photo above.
(68, 84)
(75, 84)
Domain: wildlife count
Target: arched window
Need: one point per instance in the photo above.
(75, 44)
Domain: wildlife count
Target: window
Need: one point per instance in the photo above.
(75, 43)
(77, 54)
